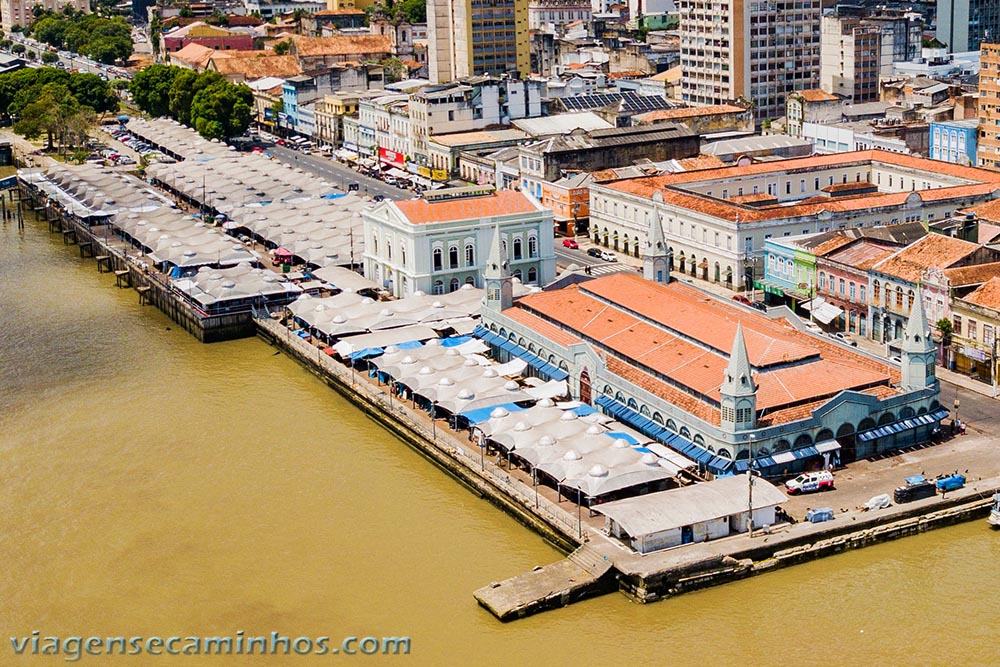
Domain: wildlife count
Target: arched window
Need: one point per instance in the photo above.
(469, 280)
(517, 274)
(517, 249)
(671, 425)
(899, 298)
(644, 411)
(657, 418)
(438, 256)
(782, 446)
(909, 300)
(822, 280)
(532, 246)
(453, 257)
(402, 255)
(470, 254)
(724, 453)
(532, 275)
(632, 404)
(685, 432)
(875, 291)
(388, 250)
(375, 245)
(438, 287)
(454, 284)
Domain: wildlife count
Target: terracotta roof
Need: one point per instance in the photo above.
(700, 162)
(504, 202)
(341, 45)
(983, 183)
(972, 275)
(817, 95)
(688, 112)
(836, 242)
(259, 66)
(986, 295)
(933, 250)
(627, 74)
(990, 211)
(543, 327)
(751, 198)
(194, 54)
(861, 255)
(340, 12)
(675, 332)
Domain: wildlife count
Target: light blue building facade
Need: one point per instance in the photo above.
(954, 141)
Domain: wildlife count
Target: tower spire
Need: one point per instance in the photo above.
(917, 367)
(738, 393)
(656, 255)
(496, 276)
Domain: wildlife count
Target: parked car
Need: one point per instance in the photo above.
(378, 198)
(809, 482)
(759, 305)
(594, 252)
(741, 299)
(845, 338)
(571, 244)
(813, 328)
(608, 256)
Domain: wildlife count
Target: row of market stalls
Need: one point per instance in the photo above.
(178, 141)
(216, 291)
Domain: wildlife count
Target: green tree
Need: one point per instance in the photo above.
(414, 11)
(16, 28)
(48, 57)
(93, 92)
(186, 12)
(17, 48)
(186, 85)
(151, 89)
(944, 326)
(221, 110)
(47, 114)
(282, 48)
(393, 69)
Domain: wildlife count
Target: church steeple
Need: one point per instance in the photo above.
(917, 367)
(656, 255)
(738, 391)
(496, 276)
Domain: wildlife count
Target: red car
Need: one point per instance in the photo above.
(571, 243)
(742, 299)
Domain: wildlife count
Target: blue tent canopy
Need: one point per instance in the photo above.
(365, 353)
(455, 340)
(583, 410)
(482, 414)
(409, 345)
(335, 195)
(531, 359)
(620, 435)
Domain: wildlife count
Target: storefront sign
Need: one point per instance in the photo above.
(973, 353)
(391, 157)
(439, 174)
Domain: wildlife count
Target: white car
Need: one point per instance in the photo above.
(808, 482)
(811, 327)
(608, 256)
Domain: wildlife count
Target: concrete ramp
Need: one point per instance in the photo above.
(583, 574)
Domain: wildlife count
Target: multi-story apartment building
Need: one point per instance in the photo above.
(758, 50)
(20, 12)
(989, 107)
(469, 37)
(964, 25)
(859, 46)
(954, 141)
(542, 13)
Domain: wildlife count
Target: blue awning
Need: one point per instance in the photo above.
(365, 353)
(626, 415)
(903, 425)
(455, 340)
(533, 360)
(335, 195)
(583, 410)
(482, 414)
(409, 345)
(619, 435)
(762, 462)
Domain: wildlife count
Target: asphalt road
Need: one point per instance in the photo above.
(338, 174)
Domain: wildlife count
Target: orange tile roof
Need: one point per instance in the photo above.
(543, 327)
(700, 162)
(752, 198)
(341, 45)
(861, 255)
(986, 295)
(817, 95)
(678, 333)
(983, 183)
(972, 275)
(259, 66)
(933, 250)
(194, 54)
(990, 211)
(688, 112)
(627, 74)
(504, 202)
(828, 246)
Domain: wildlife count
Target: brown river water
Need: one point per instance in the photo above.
(154, 486)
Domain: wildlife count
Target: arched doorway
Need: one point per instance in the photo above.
(585, 386)
(845, 436)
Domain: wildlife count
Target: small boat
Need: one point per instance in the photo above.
(995, 512)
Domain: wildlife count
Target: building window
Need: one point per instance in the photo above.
(841, 284)
(972, 330)
(532, 275)
(438, 256)
(956, 324)
(899, 298)
(864, 295)
(988, 335)
(822, 281)
(453, 257)
(438, 287)
(517, 249)
(909, 300)
(532, 246)
(875, 290)
(518, 274)
(470, 254)
(454, 285)
(852, 291)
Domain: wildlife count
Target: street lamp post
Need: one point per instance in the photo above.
(957, 423)
(750, 488)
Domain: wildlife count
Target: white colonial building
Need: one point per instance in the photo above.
(716, 221)
(440, 242)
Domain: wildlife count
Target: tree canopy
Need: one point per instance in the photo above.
(106, 40)
(206, 101)
(56, 113)
(20, 88)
